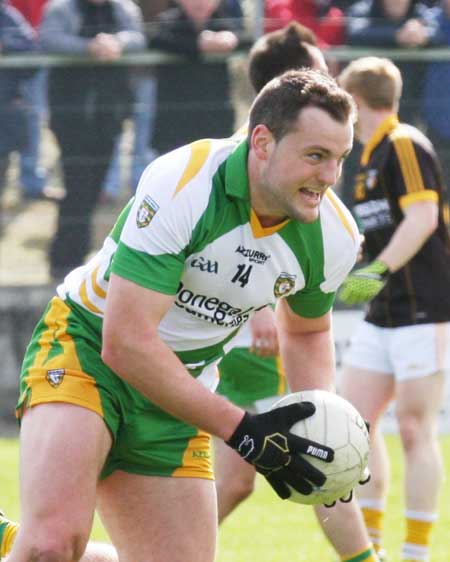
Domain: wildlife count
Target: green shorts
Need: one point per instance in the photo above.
(246, 377)
(63, 364)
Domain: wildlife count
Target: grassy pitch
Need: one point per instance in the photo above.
(269, 530)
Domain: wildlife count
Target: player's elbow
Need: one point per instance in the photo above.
(113, 352)
(430, 223)
(424, 216)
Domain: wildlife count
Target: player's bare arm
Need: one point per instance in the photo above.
(307, 349)
(134, 350)
(421, 220)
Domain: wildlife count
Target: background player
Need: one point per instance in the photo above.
(401, 349)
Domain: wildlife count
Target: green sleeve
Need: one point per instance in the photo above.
(311, 303)
(160, 273)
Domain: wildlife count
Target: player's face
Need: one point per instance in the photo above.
(397, 9)
(198, 10)
(301, 166)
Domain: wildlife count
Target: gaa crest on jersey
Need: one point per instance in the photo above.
(55, 376)
(147, 210)
(284, 284)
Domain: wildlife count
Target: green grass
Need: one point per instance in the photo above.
(265, 529)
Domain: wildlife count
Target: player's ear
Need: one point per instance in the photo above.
(262, 141)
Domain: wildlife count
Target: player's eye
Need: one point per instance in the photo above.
(316, 156)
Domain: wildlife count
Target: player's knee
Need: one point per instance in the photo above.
(242, 488)
(413, 431)
(55, 545)
(378, 485)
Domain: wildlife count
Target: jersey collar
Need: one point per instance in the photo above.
(236, 177)
(383, 129)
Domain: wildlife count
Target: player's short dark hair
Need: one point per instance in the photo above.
(279, 103)
(278, 51)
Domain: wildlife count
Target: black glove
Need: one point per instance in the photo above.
(348, 498)
(365, 478)
(264, 440)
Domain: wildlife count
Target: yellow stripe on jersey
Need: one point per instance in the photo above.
(425, 195)
(388, 125)
(334, 201)
(446, 213)
(259, 231)
(95, 286)
(409, 164)
(86, 301)
(199, 153)
(196, 461)
(281, 376)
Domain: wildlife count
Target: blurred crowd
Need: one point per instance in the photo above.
(85, 106)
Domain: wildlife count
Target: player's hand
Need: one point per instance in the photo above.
(364, 284)
(264, 333)
(264, 440)
(348, 498)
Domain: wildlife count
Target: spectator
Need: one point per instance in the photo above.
(143, 83)
(87, 106)
(387, 24)
(194, 98)
(33, 176)
(401, 24)
(435, 106)
(324, 18)
(16, 36)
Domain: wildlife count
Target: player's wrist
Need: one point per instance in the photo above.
(242, 439)
(379, 267)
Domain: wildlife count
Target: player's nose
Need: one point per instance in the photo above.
(329, 173)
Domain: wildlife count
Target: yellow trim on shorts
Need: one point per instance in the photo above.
(199, 153)
(196, 461)
(59, 378)
(417, 196)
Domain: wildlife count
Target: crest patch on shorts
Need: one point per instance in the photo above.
(147, 210)
(284, 284)
(55, 376)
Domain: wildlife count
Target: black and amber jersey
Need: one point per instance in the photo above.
(399, 167)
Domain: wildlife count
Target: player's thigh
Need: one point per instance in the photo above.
(369, 391)
(420, 398)
(62, 450)
(366, 379)
(420, 356)
(159, 519)
(231, 469)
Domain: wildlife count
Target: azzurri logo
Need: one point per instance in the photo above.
(254, 256)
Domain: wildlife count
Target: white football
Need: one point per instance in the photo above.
(337, 424)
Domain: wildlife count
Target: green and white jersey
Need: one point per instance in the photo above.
(190, 231)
